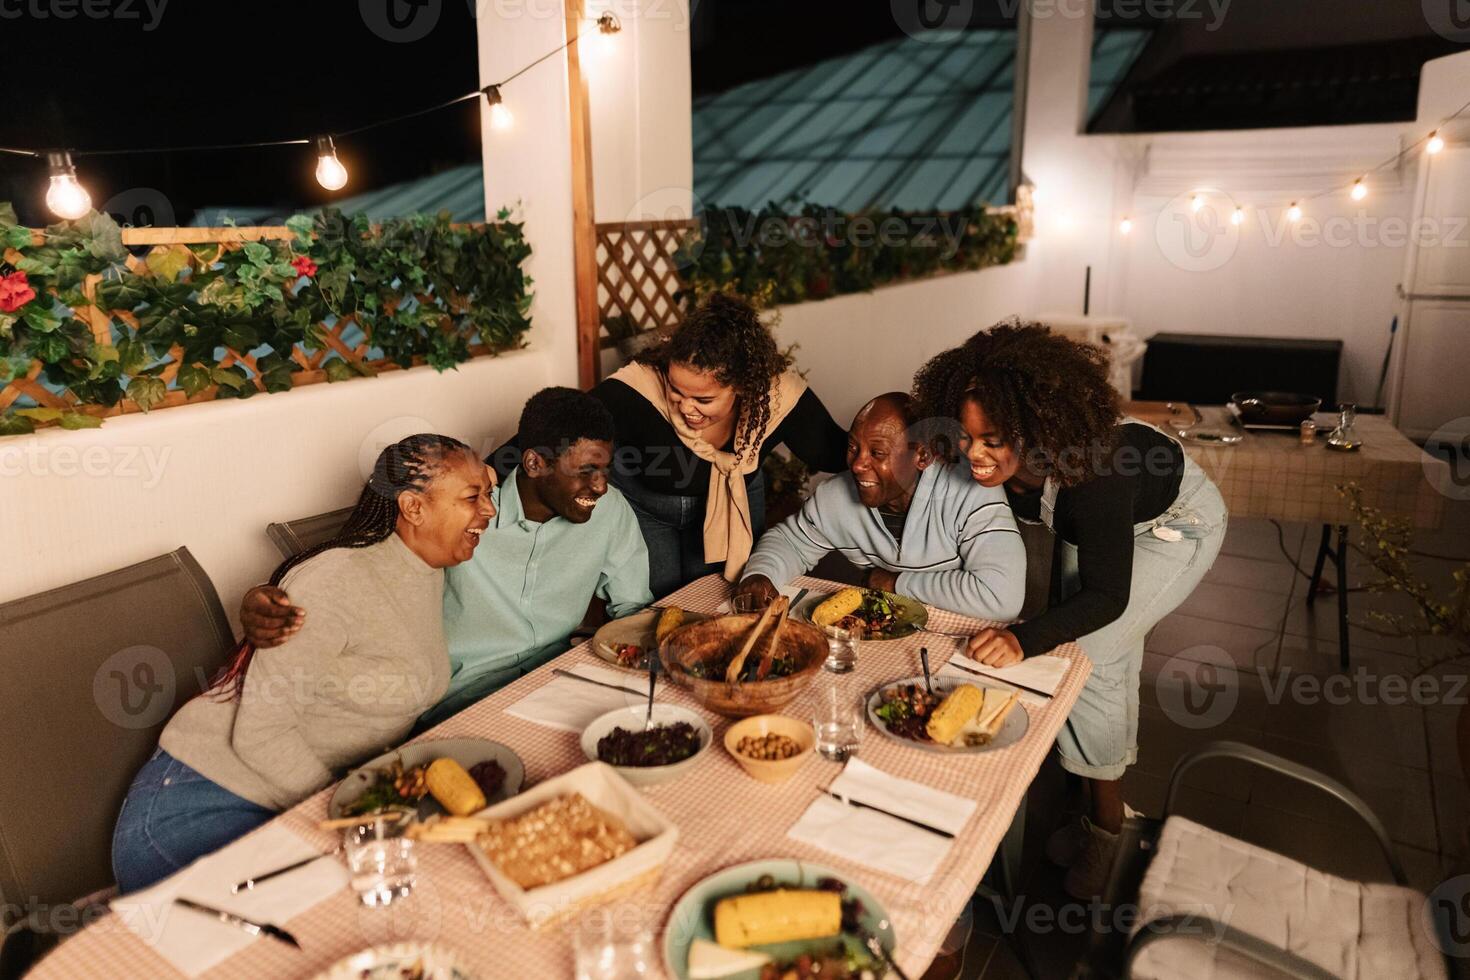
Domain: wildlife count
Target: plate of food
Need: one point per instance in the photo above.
(957, 717)
(453, 775)
(665, 749)
(879, 615)
(627, 642)
(399, 961)
(768, 920)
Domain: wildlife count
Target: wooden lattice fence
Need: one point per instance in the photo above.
(638, 275)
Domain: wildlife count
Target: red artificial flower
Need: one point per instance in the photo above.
(304, 266)
(15, 292)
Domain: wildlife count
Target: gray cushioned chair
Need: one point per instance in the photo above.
(294, 537)
(89, 674)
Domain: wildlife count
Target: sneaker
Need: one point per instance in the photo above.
(1067, 842)
(1088, 875)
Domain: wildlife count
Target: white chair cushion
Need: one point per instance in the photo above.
(1352, 930)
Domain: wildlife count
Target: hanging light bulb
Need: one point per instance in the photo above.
(329, 170)
(65, 197)
(1125, 226)
(1436, 142)
(1359, 191)
(1294, 213)
(1196, 202)
(595, 43)
(1237, 216)
(500, 117)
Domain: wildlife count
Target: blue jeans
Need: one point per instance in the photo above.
(171, 816)
(673, 530)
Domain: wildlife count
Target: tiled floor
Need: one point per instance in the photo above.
(1250, 620)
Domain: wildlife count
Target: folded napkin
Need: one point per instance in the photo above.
(875, 839)
(571, 705)
(789, 591)
(194, 942)
(1043, 673)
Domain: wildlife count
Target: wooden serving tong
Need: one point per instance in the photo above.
(777, 608)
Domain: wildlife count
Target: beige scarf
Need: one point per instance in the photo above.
(728, 533)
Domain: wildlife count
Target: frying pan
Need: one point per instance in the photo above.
(1274, 407)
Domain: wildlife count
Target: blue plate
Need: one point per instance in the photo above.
(693, 916)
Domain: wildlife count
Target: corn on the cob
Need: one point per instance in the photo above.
(455, 789)
(958, 708)
(669, 620)
(842, 603)
(777, 917)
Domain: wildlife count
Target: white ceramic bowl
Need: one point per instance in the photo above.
(631, 718)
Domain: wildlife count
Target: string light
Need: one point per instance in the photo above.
(598, 43)
(1196, 202)
(1237, 216)
(329, 170)
(1125, 226)
(1436, 142)
(500, 117)
(66, 197)
(1294, 213)
(1359, 191)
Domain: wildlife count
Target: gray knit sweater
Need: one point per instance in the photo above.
(369, 659)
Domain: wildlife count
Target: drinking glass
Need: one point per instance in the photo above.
(842, 647)
(748, 604)
(613, 942)
(381, 862)
(837, 719)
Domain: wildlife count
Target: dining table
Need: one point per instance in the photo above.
(724, 818)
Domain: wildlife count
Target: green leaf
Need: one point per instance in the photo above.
(40, 319)
(133, 355)
(123, 293)
(102, 237)
(79, 420)
(231, 377)
(194, 378)
(339, 370)
(258, 253)
(241, 337)
(7, 323)
(40, 414)
(147, 392)
(48, 348)
(167, 265)
(301, 224)
(7, 214)
(15, 236)
(14, 425)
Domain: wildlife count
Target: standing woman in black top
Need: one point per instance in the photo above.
(695, 417)
(1139, 522)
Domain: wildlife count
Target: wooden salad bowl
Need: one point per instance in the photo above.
(717, 640)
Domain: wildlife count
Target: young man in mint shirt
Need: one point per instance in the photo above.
(561, 537)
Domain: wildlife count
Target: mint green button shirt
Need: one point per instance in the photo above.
(513, 606)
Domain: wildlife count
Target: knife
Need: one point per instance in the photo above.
(587, 680)
(878, 809)
(249, 883)
(981, 673)
(240, 922)
(876, 948)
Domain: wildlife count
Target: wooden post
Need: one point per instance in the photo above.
(584, 215)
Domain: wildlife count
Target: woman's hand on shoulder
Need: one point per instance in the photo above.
(268, 618)
(995, 648)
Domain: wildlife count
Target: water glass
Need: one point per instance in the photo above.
(381, 862)
(613, 942)
(841, 649)
(837, 718)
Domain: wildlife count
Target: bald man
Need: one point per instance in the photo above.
(923, 527)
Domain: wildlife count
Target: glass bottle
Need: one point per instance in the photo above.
(1344, 438)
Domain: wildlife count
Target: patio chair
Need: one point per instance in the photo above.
(294, 537)
(1216, 908)
(89, 673)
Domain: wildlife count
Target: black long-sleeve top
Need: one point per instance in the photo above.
(647, 449)
(1141, 481)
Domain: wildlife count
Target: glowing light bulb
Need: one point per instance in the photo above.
(66, 197)
(1294, 213)
(595, 41)
(1359, 191)
(1436, 142)
(500, 117)
(329, 170)
(1125, 226)
(1196, 202)
(1237, 216)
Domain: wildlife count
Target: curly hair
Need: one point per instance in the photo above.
(555, 419)
(1047, 394)
(724, 335)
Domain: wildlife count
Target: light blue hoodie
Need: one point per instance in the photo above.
(960, 548)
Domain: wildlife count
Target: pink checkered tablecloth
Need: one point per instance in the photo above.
(724, 818)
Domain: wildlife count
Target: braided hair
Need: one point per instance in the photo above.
(409, 464)
(724, 335)
(1048, 394)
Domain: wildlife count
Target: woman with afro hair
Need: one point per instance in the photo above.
(1139, 523)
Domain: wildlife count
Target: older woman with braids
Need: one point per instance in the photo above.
(277, 725)
(695, 418)
(1140, 525)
